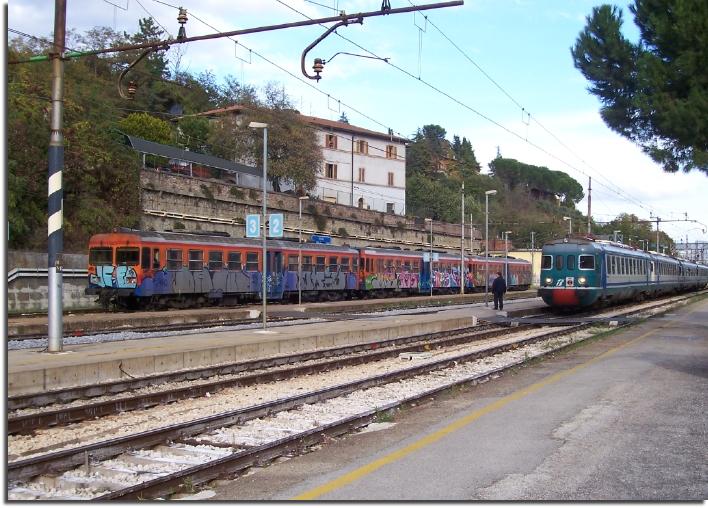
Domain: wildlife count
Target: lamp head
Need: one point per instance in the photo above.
(490, 192)
(257, 125)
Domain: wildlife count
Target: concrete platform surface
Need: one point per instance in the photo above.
(619, 418)
(33, 371)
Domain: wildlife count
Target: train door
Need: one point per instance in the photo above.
(425, 274)
(275, 281)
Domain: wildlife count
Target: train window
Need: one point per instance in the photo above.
(320, 264)
(406, 266)
(389, 265)
(587, 262)
(101, 256)
(571, 262)
(196, 260)
(292, 263)
(145, 258)
(306, 263)
(252, 261)
(398, 265)
(127, 256)
(546, 262)
(155, 259)
(416, 266)
(559, 262)
(345, 264)
(234, 261)
(216, 260)
(368, 264)
(380, 265)
(174, 259)
(355, 264)
(333, 264)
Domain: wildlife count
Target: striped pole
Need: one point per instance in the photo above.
(55, 233)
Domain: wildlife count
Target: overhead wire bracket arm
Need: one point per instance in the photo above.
(319, 63)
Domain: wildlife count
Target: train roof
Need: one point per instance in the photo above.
(611, 246)
(217, 239)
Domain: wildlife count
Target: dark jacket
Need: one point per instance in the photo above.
(499, 286)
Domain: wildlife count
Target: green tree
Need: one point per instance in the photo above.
(655, 92)
(193, 133)
(147, 127)
(294, 155)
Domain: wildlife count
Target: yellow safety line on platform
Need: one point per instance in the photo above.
(465, 420)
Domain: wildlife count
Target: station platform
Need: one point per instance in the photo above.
(33, 371)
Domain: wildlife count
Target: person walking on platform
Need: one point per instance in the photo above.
(498, 290)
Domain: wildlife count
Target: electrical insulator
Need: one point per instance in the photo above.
(182, 19)
(132, 88)
(318, 68)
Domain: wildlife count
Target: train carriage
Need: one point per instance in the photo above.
(131, 268)
(583, 272)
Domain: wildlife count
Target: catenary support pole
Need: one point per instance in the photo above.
(55, 232)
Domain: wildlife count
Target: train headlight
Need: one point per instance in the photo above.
(582, 280)
(549, 281)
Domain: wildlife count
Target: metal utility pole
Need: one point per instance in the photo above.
(351, 197)
(589, 202)
(533, 245)
(55, 232)
(462, 244)
(657, 234)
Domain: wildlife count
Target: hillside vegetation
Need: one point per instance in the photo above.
(101, 174)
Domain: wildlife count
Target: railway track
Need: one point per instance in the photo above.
(215, 320)
(109, 471)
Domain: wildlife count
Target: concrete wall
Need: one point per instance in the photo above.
(27, 282)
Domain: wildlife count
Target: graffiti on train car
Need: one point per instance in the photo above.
(408, 280)
(318, 281)
(446, 279)
(202, 281)
(386, 280)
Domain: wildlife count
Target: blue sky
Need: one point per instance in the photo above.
(524, 45)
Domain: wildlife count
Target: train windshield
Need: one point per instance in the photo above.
(546, 263)
(127, 256)
(587, 262)
(101, 256)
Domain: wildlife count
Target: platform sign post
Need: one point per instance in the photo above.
(275, 225)
(253, 226)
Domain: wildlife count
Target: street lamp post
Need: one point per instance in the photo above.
(299, 251)
(430, 270)
(570, 225)
(506, 255)
(462, 244)
(264, 297)
(486, 245)
(533, 246)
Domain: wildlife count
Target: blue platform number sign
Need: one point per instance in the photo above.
(275, 225)
(253, 226)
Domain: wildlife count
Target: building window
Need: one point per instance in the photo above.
(331, 141)
(390, 152)
(331, 170)
(362, 174)
(390, 179)
(389, 207)
(362, 146)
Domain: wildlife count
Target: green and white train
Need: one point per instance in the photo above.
(582, 272)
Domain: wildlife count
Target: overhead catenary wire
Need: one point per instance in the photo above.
(485, 117)
(620, 191)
